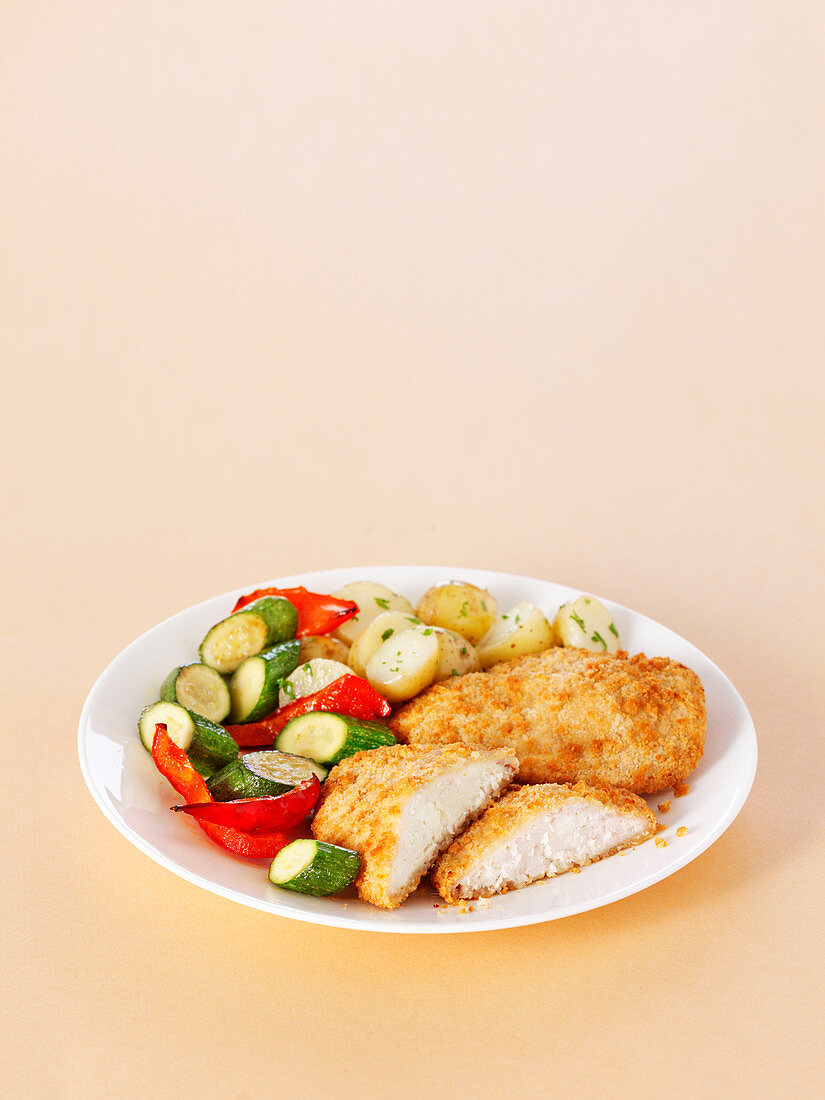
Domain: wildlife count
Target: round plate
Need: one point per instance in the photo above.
(134, 797)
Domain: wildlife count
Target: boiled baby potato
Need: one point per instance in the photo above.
(523, 630)
(311, 677)
(375, 634)
(467, 610)
(586, 623)
(372, 598)
(455, 655)
(322, 645)
(405, 664)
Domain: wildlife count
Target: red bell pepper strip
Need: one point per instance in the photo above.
(172, 762)
(348, 695)
(260, 815)
(317, 614)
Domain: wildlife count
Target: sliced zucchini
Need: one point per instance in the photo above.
(261, 773)
(251, 630)
(198, 688)
(311, 676)
(314, 867)
(328, 738)
(256, 681)
(205, 742)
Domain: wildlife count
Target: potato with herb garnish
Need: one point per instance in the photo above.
(587, 624)
(322, 645)
(377, 632)
(463, 608)
(372, 598)
(405, 663)
(456, 655)
(522, 630)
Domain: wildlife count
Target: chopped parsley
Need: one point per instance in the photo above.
(483, 605)
(464, 651)
(505, 616)
(463, 612)
(382, 602)
(288, 689)
(386, 634)
(578, 621)
(411, 619)
(613, 630)
(428, 632)
(308, 670)
(454, 672)
(598, 638)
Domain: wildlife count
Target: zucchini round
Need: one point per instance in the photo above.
(199, 688)
(314, 867)
(254, 628)
(208, 745)
(328, 738)
(262, 773)
(256, 682)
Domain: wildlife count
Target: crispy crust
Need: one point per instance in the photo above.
(632, 722)
(515, 812)
(364, 796)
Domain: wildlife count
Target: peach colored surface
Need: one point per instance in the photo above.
(534, 287)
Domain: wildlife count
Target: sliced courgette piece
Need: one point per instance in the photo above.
(208, 745)
(314, 867)
(254, 628)
(262, 773)
(328, 738)
(256, 682)
(199, 688)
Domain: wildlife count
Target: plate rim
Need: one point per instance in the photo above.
(742, 792)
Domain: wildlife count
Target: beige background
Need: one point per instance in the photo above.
(531, 287)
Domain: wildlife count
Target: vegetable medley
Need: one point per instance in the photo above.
(292, 682)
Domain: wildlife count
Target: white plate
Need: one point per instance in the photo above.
(124, 783)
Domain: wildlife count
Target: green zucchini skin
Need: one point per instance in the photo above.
(327, 870)
(276, 773)
(178, 688)
(278, 662)
(271, 620)
(209, 745)
(354, 736)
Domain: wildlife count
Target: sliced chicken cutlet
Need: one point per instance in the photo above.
(632, 722)
(537, 832)
(399, 806)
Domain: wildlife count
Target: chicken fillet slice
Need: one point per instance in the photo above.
(537, 832)
(399, 806)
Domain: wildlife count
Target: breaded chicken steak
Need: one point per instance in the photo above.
(399, 806)
(537, 832)
(632, 722)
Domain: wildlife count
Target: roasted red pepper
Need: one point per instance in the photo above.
(173, 763)
(260, 815)
(317, 614)
(348, 695)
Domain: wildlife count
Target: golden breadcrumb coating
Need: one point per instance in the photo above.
(363, 799)
(633, 722)
(515, 812)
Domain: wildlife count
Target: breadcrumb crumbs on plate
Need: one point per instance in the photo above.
(682, 830)
(663, 807)
(680, 789)
(660, 842)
